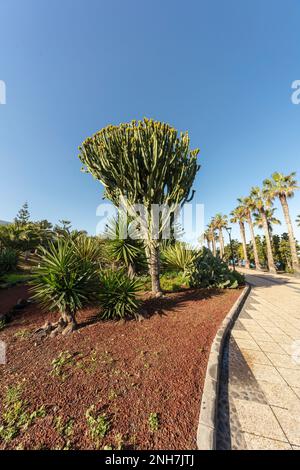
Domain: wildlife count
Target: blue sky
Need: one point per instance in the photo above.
(221, 70)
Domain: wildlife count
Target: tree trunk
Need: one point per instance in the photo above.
(66, 324)
(243, 236)
(154, 268)
(221, 243)
(208, 245)
(214, 246)
(70, 322)
(271, 263)
(286, 212)
(131, 270)
(256, 258)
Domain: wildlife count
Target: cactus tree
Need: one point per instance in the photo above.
(144, 162)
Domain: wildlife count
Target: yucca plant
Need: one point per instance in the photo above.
(64, 281)
(179, 256)
(118, 297)
(88, 248)
(123, 247)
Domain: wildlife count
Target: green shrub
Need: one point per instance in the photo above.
(210, 271)
(8, 260)
(179, 256)
(173, 281)
(118, 296)
(15, 278)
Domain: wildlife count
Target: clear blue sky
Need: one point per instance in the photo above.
(221, 70)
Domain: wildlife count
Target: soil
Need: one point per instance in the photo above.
(9, 297)
(127, 370)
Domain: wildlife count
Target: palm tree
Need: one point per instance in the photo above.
(283, 187)
(260, 203)
(247, 204)
(220, 221)
(298, 220)
(239, 216)
(208, 237)
(212, 228)
(272, 220)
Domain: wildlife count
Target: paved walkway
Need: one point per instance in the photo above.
(259, 400)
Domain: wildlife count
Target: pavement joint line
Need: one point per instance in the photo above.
(279, 423)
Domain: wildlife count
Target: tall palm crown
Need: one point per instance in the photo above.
(258, 200)
(247, 203)
(208, 235)
(272, 220)
(280, 185)
(220, 221)
(212, 228)
(238, 214)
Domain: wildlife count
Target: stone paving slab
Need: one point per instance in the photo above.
(259, 394)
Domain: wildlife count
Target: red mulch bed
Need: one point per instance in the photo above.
(126, 369)
(9, 297)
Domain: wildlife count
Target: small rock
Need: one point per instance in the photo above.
(20, 304)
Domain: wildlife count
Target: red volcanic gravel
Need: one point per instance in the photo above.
(127, 370)
(9, 297)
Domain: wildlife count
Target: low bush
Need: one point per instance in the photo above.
(173, 281)
(210, 271)
(8, 260)
(118, 296)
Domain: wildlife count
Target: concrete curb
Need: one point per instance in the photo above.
(206, 434)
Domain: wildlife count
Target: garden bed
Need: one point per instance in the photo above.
(11, 295)
(144, 378)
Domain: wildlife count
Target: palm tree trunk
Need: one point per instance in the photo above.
(256, 258)
(286, 212)
(271, 263)
(214, 246)
(221, 243)
(243, 236)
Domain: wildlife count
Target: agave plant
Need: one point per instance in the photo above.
(64, 281)
(118, 297)
(179, 256)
